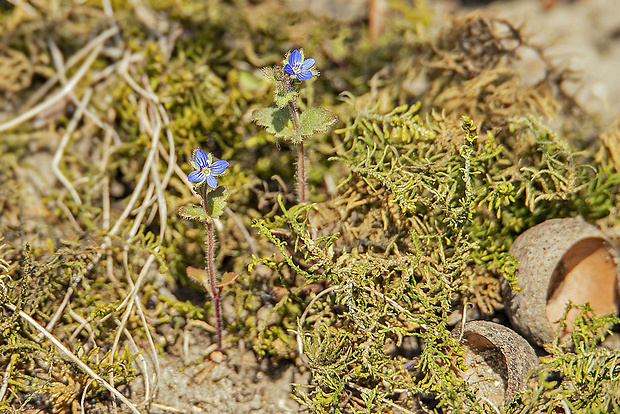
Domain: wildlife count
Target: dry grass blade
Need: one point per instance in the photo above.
(63, 144)
(68, 88)
(74, 358)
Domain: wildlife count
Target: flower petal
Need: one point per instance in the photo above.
(307, 64)
(211, 181)
(196, 176)
(304, 75)
(201, 159)
(219, 166)
(289, 69)
(295, 58)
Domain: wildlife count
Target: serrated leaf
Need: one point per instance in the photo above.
(197, 275)
(315, 120)
(193, 212)
(200, 276)
(283, 98)
(277, 121)
(216, 201)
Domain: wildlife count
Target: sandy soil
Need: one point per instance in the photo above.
(584, 36)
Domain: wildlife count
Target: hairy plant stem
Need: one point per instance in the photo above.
(301, 172)
(301, 158)
(213, 289)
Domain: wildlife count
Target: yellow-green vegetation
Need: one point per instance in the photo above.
(443, 154)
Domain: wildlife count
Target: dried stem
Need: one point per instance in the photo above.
(68, 88)
(64, 350)
(63, 144)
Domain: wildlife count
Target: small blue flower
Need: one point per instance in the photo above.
(206, 168)
(299, 67)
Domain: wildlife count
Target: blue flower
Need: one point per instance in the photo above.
(299, 67)
(206, 168)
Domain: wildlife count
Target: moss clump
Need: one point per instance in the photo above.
(422, 224)
(371, 278)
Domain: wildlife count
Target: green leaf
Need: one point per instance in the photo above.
(193, 212)
(282, 98)
(276, 120)
(216, 201)
(316, 120)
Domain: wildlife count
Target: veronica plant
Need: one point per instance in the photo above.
(283, 120)
(206, 169)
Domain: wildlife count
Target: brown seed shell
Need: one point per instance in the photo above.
(560, 260)
(498, 360)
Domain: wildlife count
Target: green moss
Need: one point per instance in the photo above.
(436, 207)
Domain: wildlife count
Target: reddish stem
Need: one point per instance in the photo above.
(301, 172)
(213, 290)
(301, 159)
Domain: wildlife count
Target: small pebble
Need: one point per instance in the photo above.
(217, 357)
